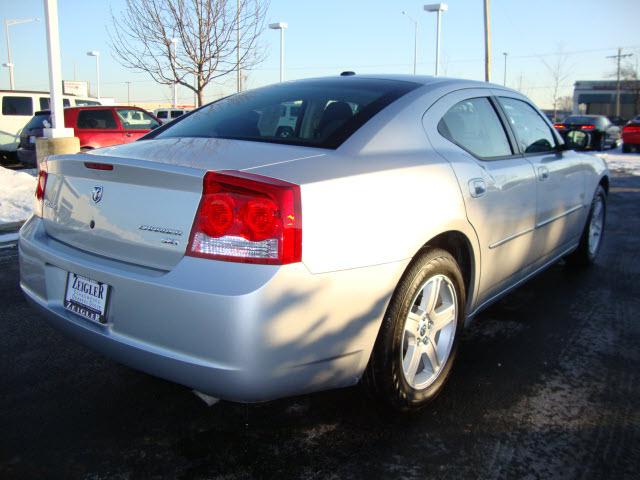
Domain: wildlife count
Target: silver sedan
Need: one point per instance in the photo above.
(310, 235)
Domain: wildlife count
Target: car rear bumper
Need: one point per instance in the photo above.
(236, 331)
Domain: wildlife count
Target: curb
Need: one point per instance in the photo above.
(9, 234)
(11, 227)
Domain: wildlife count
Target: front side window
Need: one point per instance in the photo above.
(315, 113)
(177, 113)
(532, 132)
(17, 105)
(162, 114)
(474, 125)
(136, 119)
(100, 119)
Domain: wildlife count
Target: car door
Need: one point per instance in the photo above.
(498, 185)
(98, 128)
(560, 177)
(135, 123)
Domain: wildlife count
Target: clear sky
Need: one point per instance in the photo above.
(329, 36)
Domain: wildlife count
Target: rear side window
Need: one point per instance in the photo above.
(321, 113)
(136, 119)
(17, 105)
(162, 114)
(532, 132)
(176, 113)
(102, 119)
(474, 125)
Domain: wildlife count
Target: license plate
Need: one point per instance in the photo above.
(86, 297)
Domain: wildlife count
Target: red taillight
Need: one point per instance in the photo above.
(40, 188)
(249, 218)
(559, 126)
(587, 127)
(631, 129)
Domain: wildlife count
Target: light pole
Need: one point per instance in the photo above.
(280, 26)
(504, 81)
(175, 68)
(438, 8)
(415, 40)
(487, 42)
(95, 53)
(128, 93)
(9, 64)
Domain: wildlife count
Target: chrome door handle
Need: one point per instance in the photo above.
(129, 134)
(477, 187)
(543, 173)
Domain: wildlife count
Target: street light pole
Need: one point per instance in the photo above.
(280, 26)
(504, 82)
(95, 53)
(438, 8)
(487, 43)
(9, 64)
(128, 93)
(415, 40)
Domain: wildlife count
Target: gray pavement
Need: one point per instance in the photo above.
(546, 386)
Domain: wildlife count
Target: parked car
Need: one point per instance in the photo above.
(248, 266)
(165, 115)
(631, 135)
(95, 127)
(18, 106)
(599, 130)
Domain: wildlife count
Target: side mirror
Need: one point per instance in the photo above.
(576, 140)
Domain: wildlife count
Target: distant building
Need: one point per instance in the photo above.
(599, 97)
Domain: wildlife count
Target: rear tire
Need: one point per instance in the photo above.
(593, 233)
(418, 339)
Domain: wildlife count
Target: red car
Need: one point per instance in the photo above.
(96, 127)
(631, 135)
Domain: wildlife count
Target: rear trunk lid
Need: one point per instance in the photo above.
(141, 211)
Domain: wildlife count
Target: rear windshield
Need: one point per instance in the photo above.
(580, 120)
(316, 113)
(39, 120)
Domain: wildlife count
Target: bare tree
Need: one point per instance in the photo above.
(213, 38)
(559, 73)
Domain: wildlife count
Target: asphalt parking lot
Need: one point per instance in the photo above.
(546, 386)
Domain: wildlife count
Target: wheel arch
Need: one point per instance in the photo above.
(604, 182)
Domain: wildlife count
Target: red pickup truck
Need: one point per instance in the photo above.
(96, 127)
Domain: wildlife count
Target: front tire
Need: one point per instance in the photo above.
(593, 233)
(418, 339)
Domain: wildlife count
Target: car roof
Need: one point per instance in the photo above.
(426, 80)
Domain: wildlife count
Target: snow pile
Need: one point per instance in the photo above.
(17, 189)
(627, 163)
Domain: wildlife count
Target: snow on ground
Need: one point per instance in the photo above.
(626, 163)
(17, 189)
